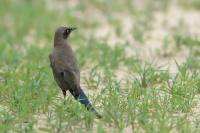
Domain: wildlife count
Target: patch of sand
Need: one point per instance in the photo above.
(162, 26)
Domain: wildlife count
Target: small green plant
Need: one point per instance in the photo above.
(147, 98)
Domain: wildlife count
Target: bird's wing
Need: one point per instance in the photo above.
(65, 75)
(70, 77)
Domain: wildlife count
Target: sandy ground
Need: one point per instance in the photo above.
(162, 26)
(152, 49)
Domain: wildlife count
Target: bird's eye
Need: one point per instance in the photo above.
(66, 31)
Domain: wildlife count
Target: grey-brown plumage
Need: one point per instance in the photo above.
(64, 64)
(66, 69)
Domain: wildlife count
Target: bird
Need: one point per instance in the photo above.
(65, 67)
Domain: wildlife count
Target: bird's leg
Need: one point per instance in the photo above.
(64, 94)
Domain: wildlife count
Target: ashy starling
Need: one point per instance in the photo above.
(66, 69)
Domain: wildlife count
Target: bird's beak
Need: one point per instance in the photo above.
(74, 28)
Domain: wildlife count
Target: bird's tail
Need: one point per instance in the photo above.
(83, 99)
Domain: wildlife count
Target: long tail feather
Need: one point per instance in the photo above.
(83, 99)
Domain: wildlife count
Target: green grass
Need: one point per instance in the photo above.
(148, 99)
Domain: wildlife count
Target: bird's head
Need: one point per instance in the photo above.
(64, 32)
